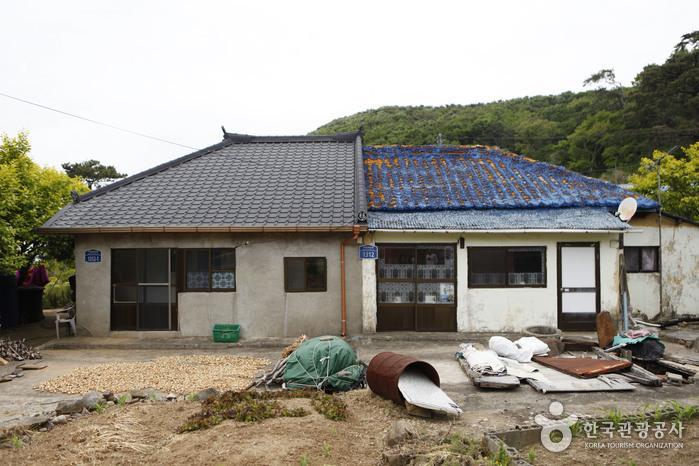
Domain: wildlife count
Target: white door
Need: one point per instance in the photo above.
(578, 294)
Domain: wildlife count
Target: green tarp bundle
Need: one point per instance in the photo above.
(325, 363)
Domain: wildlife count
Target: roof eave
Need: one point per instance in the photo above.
(497, 231)
(200, 229)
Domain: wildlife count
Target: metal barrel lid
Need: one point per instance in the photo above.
(386, 368)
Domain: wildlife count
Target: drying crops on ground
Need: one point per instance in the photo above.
(176, 374)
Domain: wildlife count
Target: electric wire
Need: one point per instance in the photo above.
(98, 122)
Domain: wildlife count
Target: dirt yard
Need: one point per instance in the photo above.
(144, 433)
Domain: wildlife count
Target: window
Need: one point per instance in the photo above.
(305, 274)
(210, 270)
(506, 267)
(641, 259)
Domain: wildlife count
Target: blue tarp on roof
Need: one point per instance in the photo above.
(426, 178)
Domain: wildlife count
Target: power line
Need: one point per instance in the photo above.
(98, 122)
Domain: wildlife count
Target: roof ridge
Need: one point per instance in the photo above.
(238, 138)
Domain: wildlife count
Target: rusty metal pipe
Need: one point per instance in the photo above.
(355, 230)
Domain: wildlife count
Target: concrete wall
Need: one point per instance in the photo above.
(259, 304)
(506, 309)
(680, 268)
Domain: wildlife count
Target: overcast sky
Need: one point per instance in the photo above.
(178, 70)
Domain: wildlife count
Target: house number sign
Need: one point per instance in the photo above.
(368, 251)
(93, 256)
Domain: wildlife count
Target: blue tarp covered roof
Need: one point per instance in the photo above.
(429, 178)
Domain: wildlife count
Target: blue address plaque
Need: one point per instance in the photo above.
(93, 256)
(368, 251)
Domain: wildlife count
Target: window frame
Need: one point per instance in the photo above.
(306, 289)
(509, 266)
(640, 249)
(211, 270)
(134, 314)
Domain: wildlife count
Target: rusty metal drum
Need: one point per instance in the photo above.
(386, 368)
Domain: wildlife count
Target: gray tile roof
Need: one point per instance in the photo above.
(572, 218)
(243, 182)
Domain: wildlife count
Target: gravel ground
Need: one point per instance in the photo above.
(174, 374)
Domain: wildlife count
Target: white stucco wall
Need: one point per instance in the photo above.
(507, 309)
(259, 304)
(680, 268)
(368, 290)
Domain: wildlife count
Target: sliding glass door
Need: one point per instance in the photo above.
(144, 292)
(416, 287)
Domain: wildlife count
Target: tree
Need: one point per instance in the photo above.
(668, 94)
(592, 145)
(29, 196)
(533, 136)
(679, 178)
(607, 76)
(93, 172)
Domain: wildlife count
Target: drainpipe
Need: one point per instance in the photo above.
(355, 230)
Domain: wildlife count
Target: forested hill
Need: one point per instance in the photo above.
(602, 132)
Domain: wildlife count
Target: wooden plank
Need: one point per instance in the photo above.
(32, 367)
(677, 367)
(648, 377)
(554, 381)
(415, 410)
(686, 360)
(488, 381)
(492, 381)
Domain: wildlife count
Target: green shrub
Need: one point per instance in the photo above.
(57, 295)
(57, 292)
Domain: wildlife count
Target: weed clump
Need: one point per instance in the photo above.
(252, 406)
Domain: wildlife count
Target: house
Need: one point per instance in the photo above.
(669, 273)
(265, 231)
(250, 231)
(472, 238)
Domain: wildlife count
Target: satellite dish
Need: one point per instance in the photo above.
(626, 209)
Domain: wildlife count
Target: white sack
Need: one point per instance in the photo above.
(505, 348)
(533, 344)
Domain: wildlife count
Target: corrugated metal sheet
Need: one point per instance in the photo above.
(419, 178)
(571, 218)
